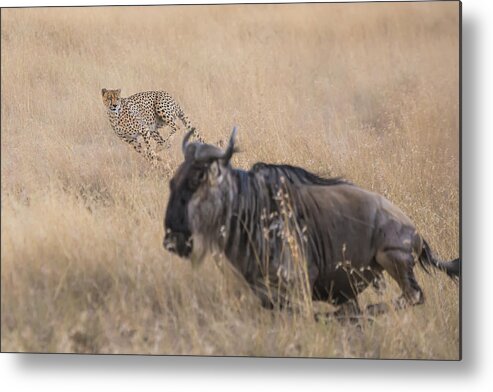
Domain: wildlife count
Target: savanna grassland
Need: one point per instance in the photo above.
(366, 91)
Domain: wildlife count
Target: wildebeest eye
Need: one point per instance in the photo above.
(197, 178)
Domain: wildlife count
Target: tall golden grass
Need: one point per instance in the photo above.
(367, 91)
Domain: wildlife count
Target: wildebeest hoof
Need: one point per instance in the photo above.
(377, 309)
(344, 319)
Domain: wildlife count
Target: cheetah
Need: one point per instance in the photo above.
(142, 114)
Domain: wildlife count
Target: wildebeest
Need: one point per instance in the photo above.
(268, 218)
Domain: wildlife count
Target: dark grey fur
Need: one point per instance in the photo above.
(345, 236)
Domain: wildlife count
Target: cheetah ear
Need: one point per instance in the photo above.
(118, 91)
(103, 91)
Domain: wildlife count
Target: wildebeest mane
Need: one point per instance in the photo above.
(257, 192)
(295, 175)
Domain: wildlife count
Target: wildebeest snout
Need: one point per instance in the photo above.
(178, 243)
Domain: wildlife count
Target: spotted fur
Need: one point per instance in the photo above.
(142, 114)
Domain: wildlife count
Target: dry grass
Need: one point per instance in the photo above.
(365, 91)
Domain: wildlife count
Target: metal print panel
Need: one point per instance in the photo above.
(275, 180)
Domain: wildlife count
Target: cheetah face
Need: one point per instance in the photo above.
(111, 99)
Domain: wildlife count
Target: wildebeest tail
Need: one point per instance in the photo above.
(452, 268)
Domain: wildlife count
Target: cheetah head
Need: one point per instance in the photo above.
(111, 99)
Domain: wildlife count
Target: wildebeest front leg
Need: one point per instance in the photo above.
(263, 293)
(348, 312)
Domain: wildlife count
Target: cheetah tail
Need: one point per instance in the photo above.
(185, 120)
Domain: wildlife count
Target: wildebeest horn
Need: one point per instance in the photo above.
(231, 146)
(205, 152)
(184, 145)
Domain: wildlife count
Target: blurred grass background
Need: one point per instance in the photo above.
(367, 91)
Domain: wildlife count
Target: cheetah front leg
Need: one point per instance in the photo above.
(138, 147)
(133, 142)
(145, 132)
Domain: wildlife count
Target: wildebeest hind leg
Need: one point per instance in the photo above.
(399, 264)
(379, 285)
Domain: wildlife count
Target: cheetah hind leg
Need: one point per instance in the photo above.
(161, 143)
(172, 125)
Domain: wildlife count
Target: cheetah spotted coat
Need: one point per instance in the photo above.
(142, 114)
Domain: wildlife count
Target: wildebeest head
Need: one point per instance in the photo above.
(202, 180)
